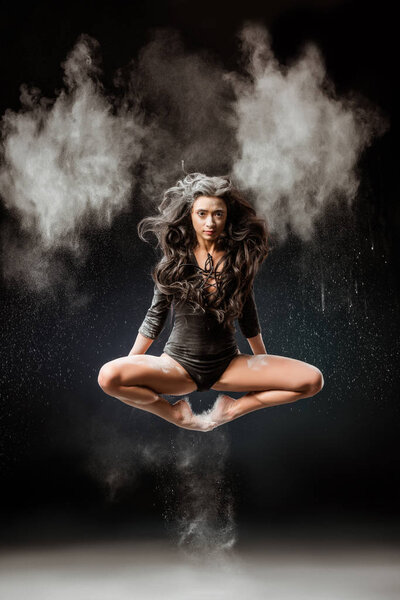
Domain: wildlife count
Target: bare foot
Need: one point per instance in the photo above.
(186, 419)
(221, 412)
(204, 422)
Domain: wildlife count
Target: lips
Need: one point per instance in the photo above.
(209, 231)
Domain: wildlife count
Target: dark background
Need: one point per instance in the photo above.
(331, 459)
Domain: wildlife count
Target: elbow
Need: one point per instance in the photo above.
(148, 335)
(251, 335)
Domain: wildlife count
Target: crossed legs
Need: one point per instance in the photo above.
(138, 380)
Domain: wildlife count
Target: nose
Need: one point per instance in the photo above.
(210, 222)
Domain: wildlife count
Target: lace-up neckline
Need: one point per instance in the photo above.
(210, 276)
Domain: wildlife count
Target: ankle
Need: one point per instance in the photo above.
(232, 411)
(180, 415)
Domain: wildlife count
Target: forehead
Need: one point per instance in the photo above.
(208, 203)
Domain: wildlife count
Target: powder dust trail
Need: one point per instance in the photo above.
(66, 163)
(190, 470)
(299, 141)
(202, 514)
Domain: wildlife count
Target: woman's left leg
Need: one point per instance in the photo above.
(269, 380)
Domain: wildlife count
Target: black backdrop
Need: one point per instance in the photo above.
(334, 456)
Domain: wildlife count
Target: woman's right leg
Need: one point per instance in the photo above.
(138, 380)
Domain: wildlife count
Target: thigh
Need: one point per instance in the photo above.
(248, 372)
(162, 374)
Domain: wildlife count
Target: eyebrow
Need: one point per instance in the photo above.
(216, 210)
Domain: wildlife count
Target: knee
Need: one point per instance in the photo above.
(108, 377)
(315, 382)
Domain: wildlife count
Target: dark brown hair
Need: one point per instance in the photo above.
(244, 240)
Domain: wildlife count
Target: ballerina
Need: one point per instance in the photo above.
(213, 244)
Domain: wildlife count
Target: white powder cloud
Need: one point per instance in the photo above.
(67, 162)
(299, 141)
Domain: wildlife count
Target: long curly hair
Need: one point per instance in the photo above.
(244, 240)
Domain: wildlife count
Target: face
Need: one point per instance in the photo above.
(209, 216)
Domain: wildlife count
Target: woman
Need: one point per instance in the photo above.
(213, 244)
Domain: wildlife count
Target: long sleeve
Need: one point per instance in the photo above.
(249, 322)
(156, 315)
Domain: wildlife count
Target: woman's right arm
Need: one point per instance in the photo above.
(153, 323)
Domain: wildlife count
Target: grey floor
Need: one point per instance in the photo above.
(151, 570)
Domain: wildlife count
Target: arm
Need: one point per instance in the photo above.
(153, 323)
(250, 325)
(141, 345)
(257, 345)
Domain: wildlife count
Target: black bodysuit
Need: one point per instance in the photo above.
(197, 341)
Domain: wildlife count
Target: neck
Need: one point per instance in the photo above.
(207, 246)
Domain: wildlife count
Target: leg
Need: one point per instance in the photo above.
(272, 380)
(138, 380)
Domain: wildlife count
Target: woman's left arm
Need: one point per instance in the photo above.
(250, 325)
(256, 344)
